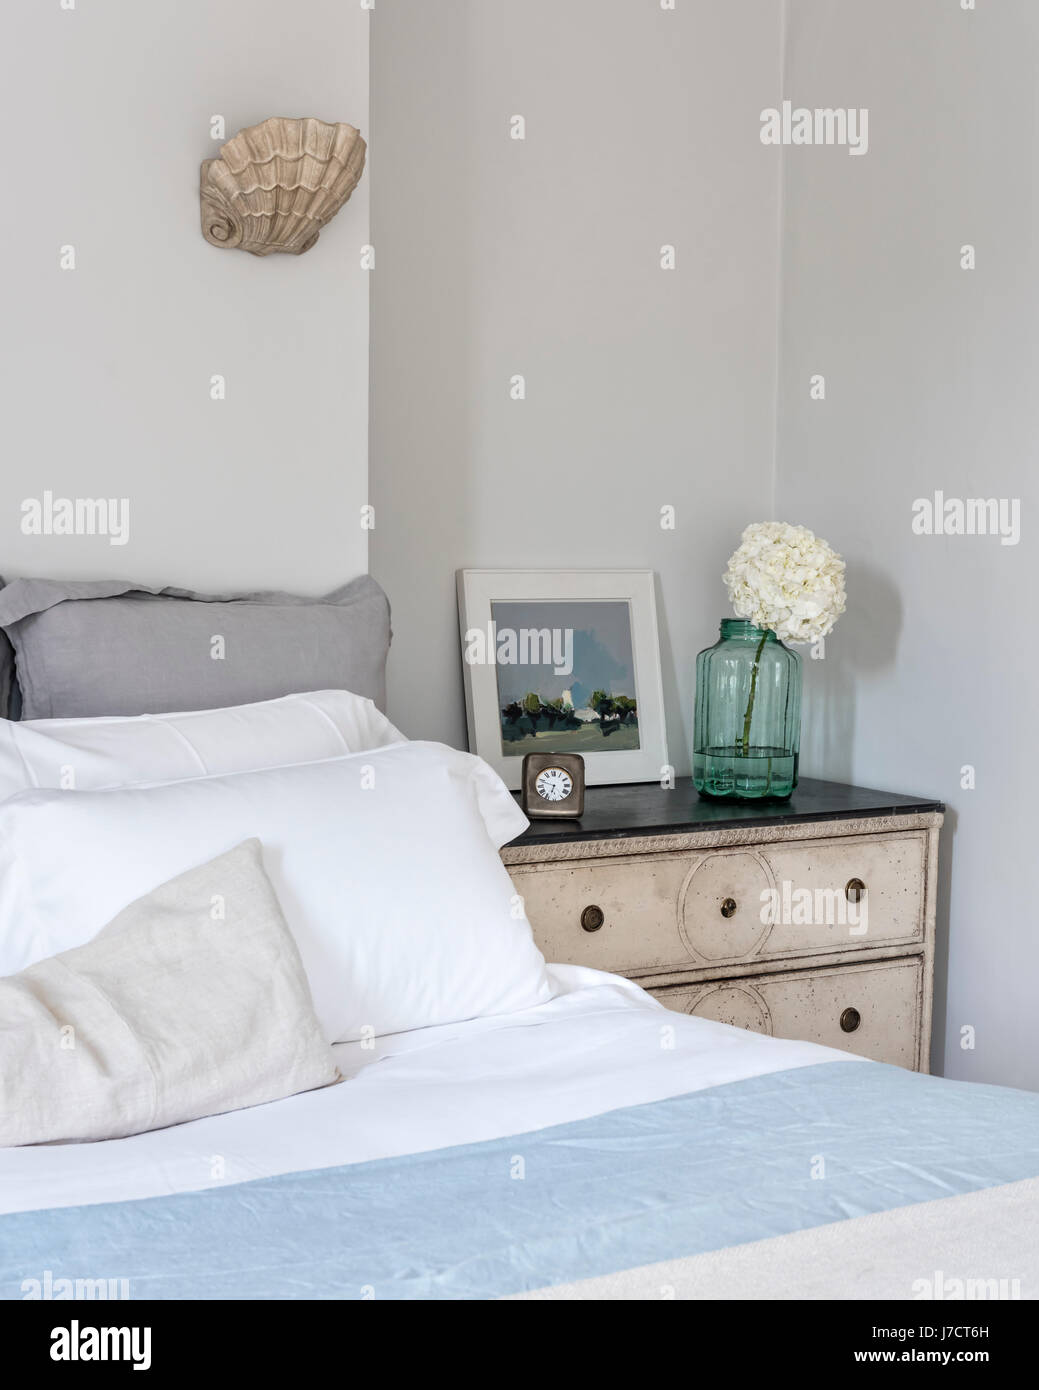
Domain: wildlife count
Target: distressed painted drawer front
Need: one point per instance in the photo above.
(659, 912)
(637, 898)
(879, 1002)
(818, 909)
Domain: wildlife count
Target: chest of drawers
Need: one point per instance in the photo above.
(810, 919)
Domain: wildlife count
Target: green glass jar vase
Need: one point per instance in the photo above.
(747, 727)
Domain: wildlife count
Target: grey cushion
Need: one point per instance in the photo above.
(112, 647)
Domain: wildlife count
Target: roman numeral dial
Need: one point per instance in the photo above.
(553, 784)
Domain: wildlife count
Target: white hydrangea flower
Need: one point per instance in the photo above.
(787, 579)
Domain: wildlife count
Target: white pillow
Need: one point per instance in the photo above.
(391, 885)
(87, 754)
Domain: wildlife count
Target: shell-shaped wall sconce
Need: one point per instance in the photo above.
(276, 184)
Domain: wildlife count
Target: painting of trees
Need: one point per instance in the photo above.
(526, 717)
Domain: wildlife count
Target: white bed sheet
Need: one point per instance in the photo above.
(600, 1044)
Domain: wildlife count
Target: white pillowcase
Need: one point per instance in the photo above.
(384, 862)
(87, 754)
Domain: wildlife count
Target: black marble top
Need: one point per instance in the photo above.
(613, 813)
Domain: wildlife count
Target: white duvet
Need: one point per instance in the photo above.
(601, 1043)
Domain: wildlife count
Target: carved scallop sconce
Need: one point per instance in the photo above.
(276, 184)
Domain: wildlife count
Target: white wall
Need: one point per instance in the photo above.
(931, 378)
(645, 388)
(106, 369)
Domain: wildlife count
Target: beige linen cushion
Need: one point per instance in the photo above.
(191, 1002)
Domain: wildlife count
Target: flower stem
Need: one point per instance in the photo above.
(753, 690)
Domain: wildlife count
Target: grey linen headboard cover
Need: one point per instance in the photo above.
(84, 648)
(7, 685)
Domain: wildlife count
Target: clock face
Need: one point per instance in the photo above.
(553, 784)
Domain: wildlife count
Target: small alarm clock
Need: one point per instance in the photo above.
(553, 785)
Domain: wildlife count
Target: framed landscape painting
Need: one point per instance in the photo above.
(563, 661)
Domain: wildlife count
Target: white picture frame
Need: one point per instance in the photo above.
(484, 596)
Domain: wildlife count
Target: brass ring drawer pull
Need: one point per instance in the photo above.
(729, 907)
(854, 890)
(850, 1020)
(592, 917)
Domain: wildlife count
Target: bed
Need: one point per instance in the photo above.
(377, 1088)
(596, 1146)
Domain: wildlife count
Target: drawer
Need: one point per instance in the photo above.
(644, 914)
(874, 1009)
